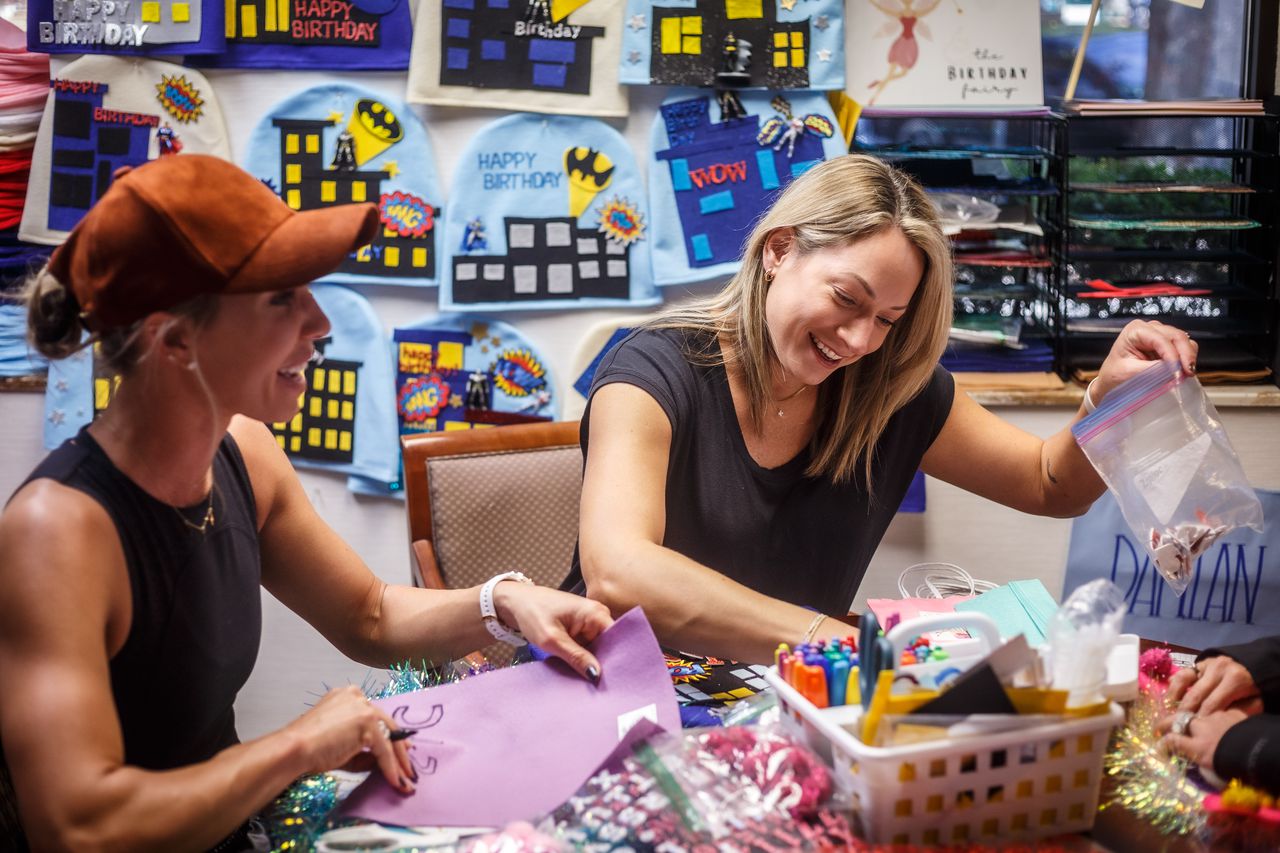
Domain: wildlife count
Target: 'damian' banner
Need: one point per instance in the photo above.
(1233, 597)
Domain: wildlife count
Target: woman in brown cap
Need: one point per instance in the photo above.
(131, 560)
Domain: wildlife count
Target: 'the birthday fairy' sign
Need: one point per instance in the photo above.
(945, 53)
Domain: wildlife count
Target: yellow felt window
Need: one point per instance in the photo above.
(248, 22)
(328, 191)
(358, 191)
(181, 13)
(150, 12)
(743, 9)
(291, 143)
(670, 41)
(293, 171)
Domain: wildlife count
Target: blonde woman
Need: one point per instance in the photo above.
(745, 453)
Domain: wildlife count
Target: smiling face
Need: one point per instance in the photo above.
(828, 308)
(254, 351)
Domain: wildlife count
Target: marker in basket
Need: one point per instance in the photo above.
(815, 685)
(782, 660)
(839, 683)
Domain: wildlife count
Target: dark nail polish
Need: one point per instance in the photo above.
(405, 783)
(593, 672)
(414, 771)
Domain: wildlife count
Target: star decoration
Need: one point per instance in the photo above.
(391, 167)
(495, 340)
(633, 56)
(787, 4)
(57, 417)
(637, 22)
(61, 385)
(336, 117)
(455, 401)
(484, 349)
(824, 55)
(822, 22)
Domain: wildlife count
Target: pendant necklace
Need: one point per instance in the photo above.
(791, 396)
(206, 522)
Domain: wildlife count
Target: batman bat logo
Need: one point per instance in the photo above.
(379, 120)
(588, 165)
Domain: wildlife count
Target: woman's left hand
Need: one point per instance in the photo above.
(556, 622)
(1199, 740)
(1138, 345)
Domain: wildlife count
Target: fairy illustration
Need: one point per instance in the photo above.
(905, 50)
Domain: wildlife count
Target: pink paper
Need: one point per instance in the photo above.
(910, 608)
(514, 744)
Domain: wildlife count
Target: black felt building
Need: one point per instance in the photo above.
(689, 44)
(546, 259)
(494, 44)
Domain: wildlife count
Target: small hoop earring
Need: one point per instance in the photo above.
(769, 275)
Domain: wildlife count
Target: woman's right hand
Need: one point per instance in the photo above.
(1215, 684)
(344, 730)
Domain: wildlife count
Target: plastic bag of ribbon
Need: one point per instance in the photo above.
(1158, 444)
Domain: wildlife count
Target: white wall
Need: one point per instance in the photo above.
(296, 664)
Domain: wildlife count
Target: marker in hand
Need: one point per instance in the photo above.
(402, 734)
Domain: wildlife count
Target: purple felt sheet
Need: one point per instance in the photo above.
(515, 743)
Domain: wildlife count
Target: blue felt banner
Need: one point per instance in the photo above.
(1233, 597)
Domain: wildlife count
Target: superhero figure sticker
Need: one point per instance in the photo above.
(348, 35)
(734, 44)
(714, 171)
(468, 372)
(551, 215)
(552, 56)
(338, 144)
(104, 113)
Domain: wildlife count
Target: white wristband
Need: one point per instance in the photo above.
(1089, 406)
(489, 614)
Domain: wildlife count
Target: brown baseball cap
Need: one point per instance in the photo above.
(189, 224)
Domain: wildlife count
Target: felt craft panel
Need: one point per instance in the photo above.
(337, 144)
(126, 26)
(953, 53)
(345, 35)
(347, 419)
(710, 179)
(514, 743)
(105, 112)
(461, 372)
(548, 56)
(734, 44)
(69, 397)
(550, 213)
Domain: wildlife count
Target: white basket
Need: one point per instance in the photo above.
(1022, 784)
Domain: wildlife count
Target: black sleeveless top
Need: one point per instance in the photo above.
(197, 607)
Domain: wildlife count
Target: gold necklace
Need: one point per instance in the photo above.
(791, 396)
(206, 522)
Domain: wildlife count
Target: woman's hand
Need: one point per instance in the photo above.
(1199, 740)
(556, 622)
(1215, 684)
(345, 730)
(1137, 346)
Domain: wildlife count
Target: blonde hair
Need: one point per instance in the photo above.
(832, 205)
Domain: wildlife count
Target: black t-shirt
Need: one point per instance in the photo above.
(800, 539)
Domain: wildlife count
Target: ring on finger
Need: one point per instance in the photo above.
(385, 730)
(1182, 722)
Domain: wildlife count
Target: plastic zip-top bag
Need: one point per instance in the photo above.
(1158, 444)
